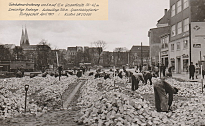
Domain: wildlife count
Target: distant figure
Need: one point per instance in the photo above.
(19, 74)
(191, 71)
(144, 68)
(161, 89)
(22, 70)
(44, 74)
(140, 68)
(156, 70)
(43, 69)
(147, 76)
(97, 75)
(107, 76)
(79, 73)
(163, 69)
(74, 69)
(120, 74)
(136, 77)
(197, 69)
(91, 73)
(169, 74)
(60, 68)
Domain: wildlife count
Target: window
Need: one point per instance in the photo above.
(173, 30)
(172, 47)
(185, 4)
(166, 41)
(185, 65)
(163, 43)
(179, 6)
(173, 10)
(186, 24)
(185, 43)
(179, 28)
(178, 45)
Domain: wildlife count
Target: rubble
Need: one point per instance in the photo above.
(43, 94)
(104, 102)
(117, 105)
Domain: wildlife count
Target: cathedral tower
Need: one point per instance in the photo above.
(24, 38)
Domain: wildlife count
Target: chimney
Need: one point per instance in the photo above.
(165, 11)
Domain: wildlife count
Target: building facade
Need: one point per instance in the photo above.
(164, 48)
(186, 35)
(139, 55)
(157, 37)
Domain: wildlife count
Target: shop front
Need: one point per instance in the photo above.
(172, 61)
(164, 58)
(178, 64)
(185, 62)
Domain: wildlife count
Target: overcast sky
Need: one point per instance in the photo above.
(127, 25)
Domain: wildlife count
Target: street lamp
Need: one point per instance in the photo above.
(26, 89)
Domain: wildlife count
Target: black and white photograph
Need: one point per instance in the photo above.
(143, 66)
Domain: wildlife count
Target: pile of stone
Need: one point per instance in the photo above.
(117, 105)
(43, 94)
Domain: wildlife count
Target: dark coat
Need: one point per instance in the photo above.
(147, 76)
(161, 88)
(191, 69)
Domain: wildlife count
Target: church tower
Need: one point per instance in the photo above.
(24, 38)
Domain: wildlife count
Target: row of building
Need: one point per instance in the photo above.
(35, 57)
(179, 37)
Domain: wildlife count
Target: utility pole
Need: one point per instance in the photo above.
(159, 64)
(201, 66)
(190, 45)
(141, 55)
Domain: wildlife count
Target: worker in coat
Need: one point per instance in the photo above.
(161, 89)
(191, 71)
(136, 77)
(147, 76)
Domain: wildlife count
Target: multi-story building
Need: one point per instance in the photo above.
(139, 55)
(78, 54)
(71, 53)
(157, 39)
(187, 33)
(39, 55)
(120, 58)
(164, 38)
(107, 58)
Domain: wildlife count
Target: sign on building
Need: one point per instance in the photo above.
(196, 45)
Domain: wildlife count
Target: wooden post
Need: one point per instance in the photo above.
(25, 100)
(201, 72)
(202, 78)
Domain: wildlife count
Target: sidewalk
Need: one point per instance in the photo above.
(185, 77)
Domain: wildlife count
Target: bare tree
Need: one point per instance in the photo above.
(43, 54)
(120, 54)
(18, 53)
(120, 49)
(44, 42)
(100, 46)
(5, 54)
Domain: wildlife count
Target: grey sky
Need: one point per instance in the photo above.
(128, 24)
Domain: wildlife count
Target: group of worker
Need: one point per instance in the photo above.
(161, 89)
